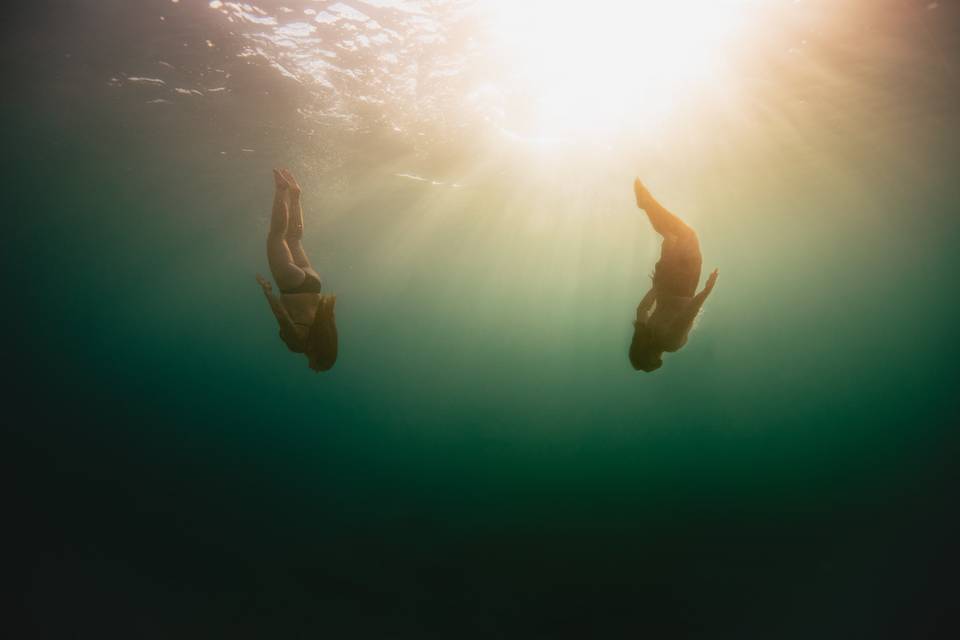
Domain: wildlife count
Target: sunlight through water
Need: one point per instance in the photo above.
(590, 67)
(537, 71)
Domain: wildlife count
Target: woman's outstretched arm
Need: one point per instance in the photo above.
(287, 328)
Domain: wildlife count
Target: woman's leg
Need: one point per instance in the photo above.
(294, 234)
(285, 271)
(664, 222)
(678, 269)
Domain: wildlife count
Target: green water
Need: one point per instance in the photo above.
(482, 460)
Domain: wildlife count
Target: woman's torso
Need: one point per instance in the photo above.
(665, 321)
(678, 270)
(675, 281)
(302, 307)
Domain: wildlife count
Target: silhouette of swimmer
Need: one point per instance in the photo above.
(305, 317)
(667, 311)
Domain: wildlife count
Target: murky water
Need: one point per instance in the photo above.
(482, 460)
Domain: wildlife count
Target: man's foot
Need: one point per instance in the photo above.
(643, 196)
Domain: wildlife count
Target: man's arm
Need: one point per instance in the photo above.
(693, 308)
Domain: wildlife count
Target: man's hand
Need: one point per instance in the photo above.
(264, 284)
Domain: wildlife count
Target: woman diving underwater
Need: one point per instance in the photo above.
(666, 313)
(305, 316)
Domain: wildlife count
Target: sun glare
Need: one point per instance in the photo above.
(593, 66)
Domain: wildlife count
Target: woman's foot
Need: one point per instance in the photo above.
(279, 180)
(643, 195)
(292, 183)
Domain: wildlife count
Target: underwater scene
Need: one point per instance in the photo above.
(475, 446)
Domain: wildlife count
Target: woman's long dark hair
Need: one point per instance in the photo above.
(644, 350)
(322, 342)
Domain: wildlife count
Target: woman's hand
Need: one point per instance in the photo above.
(711, 280)
(264, 284)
